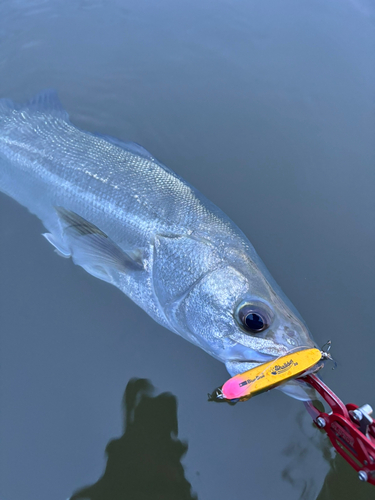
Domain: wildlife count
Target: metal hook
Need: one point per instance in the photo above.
(329, 344)
(327, 355)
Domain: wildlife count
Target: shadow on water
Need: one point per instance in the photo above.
(145, 462)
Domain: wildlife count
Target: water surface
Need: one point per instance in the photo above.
(268, 109)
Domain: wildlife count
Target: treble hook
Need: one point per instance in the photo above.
(327, 355)
(329, 344)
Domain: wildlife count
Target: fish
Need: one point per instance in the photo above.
(129, 220)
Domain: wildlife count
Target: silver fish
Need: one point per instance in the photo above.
(131, 221)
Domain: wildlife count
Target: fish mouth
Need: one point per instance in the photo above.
(241, 360)
(235, 367)
(238, 366)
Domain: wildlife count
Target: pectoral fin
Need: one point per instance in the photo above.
(60, 249)
(91, 248)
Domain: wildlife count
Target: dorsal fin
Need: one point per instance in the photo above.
(47, 101)
(6, 105)
(133, 147)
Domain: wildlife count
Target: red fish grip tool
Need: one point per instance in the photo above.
(350, 429)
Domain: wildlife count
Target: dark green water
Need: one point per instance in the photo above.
(268, 109)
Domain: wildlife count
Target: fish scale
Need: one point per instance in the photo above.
(131, 221)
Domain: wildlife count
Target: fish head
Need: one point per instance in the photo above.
(240, 316)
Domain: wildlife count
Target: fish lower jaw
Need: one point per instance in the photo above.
(235, 367)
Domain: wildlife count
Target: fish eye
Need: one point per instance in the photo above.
(255, 322)
(254, 318)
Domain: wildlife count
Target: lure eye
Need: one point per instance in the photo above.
(254, 318)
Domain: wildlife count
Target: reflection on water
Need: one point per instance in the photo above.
(145, 462)
(300, 453)
(341, 480)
